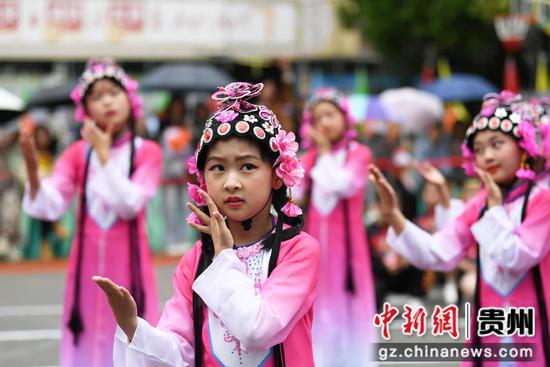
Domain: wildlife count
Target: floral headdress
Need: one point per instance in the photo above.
(237, 116)
(99, 68)
(507, 113)
(326, 94)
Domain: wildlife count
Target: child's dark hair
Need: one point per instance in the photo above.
(273, 242)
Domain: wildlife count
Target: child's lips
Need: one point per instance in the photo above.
(492, 169)
(234, 201)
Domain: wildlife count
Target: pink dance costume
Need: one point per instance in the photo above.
(247, 312)
(342, 329)
(251, 305)
(112, 202)
(111, 239)
(512, 241)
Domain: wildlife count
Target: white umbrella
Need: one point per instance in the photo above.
(411, 108)
(10, 105)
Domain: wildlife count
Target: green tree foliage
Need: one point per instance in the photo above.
(404, 30)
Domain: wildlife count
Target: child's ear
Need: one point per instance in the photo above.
(277, 182)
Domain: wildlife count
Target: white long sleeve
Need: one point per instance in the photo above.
(338, 175)
(511, 244)
(444, 216)
(261, 320)
(125, 196)
(441, 251)
(151, 347)
(48, 203)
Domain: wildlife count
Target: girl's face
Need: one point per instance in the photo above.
(238, 179)
(108, 105)
(329, 120)
(499, 154)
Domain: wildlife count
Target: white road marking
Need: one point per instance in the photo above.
(37, 310)
(28, 335)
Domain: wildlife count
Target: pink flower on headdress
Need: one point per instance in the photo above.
(192, 165)
(237, 90)
(525, 173)
(131, 85)
(291, 210)
(194, 218)
(290, 171)
(489, 108)
(201, 181)
(528, 140)
(492, 100)
(285, 144)
(193, 191)
(226, 116)
(469, 168)
(468, 163)
(466, 152)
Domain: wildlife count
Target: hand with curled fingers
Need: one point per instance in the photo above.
(432, 175)
(214, 225)
(494, 195)
(122, 303)
(389, 205)
(100, 140)
(320, 140)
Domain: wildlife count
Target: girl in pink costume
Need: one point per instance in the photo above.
(243, 296)
(507, 222)
(115, 174)
(335, 183)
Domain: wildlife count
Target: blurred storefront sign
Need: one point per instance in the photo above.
(164, 29)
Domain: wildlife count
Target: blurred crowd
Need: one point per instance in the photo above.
(176, 126)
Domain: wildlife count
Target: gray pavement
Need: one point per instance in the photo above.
(30, 312)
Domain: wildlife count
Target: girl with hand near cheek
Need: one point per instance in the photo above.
(243, 296)
(334, 187)
(114, 173)
(507, 222)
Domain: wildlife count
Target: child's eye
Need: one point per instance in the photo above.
(497, 144)
(216, 167)
(95, 96)
(248, 167)
(478, 150)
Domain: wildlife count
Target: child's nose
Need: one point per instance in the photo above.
(488, 155)
(232, 182)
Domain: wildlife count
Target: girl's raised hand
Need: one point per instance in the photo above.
(122, 303)
(321, 141)
(100, 140)
(435, 177)
(214, 225)
(430, 173)
(494, 195)
(30, 156)
(28, 150)
(389, 206)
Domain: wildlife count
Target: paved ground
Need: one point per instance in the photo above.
(30, 310)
